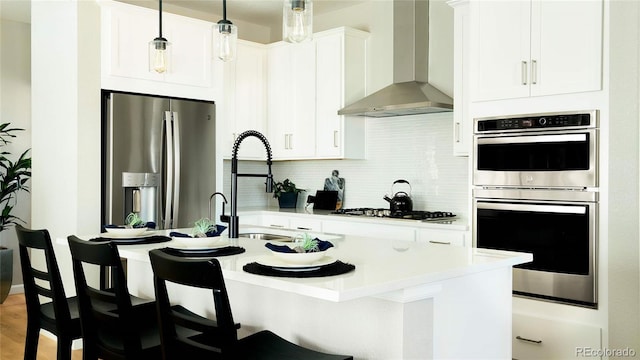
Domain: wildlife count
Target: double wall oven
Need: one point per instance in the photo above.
(535, 181)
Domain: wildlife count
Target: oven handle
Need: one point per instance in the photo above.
(532, 139)
(558, 209)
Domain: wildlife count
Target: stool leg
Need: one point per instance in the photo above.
(64, 348)
(31, 342)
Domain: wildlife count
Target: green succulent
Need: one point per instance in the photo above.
(202, 227)
(133, 220)
(308, 244)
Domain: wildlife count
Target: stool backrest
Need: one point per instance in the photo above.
(41, 282)
(106, 314)
(199, 273)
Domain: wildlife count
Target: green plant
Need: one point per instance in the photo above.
(133, 220)
(13, 177)
(285, 186)
(202, 227)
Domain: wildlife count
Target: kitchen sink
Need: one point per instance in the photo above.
(267, 237)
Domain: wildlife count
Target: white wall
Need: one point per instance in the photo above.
(15, 108)
(66, 121)
(624, 210)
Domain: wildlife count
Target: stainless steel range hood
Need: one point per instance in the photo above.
(410, 92)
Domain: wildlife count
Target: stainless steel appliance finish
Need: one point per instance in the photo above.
(174, 138)
(561, 233)
(410, 92)
(536, 190)
(142, 195)
(542, 150)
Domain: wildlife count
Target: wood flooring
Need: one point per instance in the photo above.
(13, 326)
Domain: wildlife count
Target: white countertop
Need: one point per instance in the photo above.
(380, 267)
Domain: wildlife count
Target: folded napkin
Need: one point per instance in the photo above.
(212, 233)
(322, 246)
(149, 225)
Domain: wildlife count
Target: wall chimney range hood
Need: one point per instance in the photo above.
(410, 93)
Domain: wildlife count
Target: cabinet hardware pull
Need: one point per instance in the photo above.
(290, 141)
(457, 132)
(303, 228)
(276, 226)
(529, 340)
(440, 242)
(524, 73)
(534, 72)
(335, 138)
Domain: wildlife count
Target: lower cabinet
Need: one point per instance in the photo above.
(538, 338)
(442, 237)
(319, 223)
(369, 230)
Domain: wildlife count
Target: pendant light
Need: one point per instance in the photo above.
(297, 22)
(159, 49)
(225, 36)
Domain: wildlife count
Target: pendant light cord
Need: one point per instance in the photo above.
(160, 18)
(224, 10)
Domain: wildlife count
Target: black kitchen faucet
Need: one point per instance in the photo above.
(234, 224)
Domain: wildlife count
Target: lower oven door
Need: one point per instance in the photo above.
(561, 236)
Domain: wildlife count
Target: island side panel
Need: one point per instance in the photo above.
(473, 316)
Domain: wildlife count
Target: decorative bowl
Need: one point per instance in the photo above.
(200, 242)
(299, 258)
(124, 232)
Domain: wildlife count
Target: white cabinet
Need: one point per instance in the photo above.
(462, 124)
(307, 84)
(538, 338)
(370, 230)
(441, 237)
(291, 100)
(126, 33)
(340, 80)
(536, 48)
(244, 106)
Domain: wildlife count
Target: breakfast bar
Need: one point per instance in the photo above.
(404, 300)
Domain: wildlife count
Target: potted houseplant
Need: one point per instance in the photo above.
(287, 193)
(13, 178)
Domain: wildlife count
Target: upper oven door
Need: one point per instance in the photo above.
(564, 159)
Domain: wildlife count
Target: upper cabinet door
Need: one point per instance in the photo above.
(566, 47)
(503, 49)
(126, 33)
(535, 48)
(291, 100)
(245, 100)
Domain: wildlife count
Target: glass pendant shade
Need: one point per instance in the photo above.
(159, 55)
(225, 38)
(297, 21)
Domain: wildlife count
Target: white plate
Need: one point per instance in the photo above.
(120, 232)
(275, 262)
(201, 243)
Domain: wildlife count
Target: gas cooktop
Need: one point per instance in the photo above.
(386, 213)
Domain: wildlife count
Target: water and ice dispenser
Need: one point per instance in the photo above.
(142, 195)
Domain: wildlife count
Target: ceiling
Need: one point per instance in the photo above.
(261, 12)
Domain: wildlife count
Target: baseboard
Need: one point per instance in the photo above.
(17, 289)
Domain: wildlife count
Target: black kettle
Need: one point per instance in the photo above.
(401, 201)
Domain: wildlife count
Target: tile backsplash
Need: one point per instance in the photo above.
(417, 148)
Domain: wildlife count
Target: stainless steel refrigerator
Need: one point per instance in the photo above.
(158, 158)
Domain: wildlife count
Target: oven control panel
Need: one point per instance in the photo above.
(538, 121)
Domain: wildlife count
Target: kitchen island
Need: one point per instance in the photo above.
(404, 300)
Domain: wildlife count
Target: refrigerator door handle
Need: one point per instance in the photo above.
(169, 171)
(176, 167)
